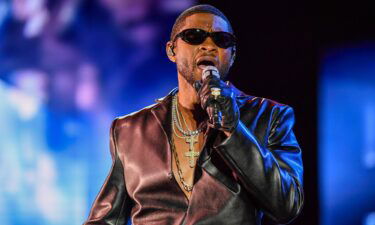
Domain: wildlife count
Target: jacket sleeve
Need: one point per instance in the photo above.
(271, 171)
(112, 205)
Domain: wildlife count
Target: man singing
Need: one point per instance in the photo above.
(206, 153)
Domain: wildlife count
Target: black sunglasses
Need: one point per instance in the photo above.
(198, 36)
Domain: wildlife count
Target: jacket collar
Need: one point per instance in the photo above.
(162, 112)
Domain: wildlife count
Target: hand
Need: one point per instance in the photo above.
(226, 102)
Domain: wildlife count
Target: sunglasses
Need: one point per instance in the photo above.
(198, 36)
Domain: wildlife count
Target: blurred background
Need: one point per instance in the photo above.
(69, 67)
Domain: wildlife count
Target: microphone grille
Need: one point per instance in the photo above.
(210, 70)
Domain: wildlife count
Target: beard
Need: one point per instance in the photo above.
(186, 71)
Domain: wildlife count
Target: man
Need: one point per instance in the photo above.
(180, 162)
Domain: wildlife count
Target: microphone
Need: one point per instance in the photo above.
(211, 72)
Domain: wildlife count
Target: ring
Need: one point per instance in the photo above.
(215, 92)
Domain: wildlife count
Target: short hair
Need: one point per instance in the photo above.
(180, 21)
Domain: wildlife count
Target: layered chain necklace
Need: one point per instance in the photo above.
(190, 137)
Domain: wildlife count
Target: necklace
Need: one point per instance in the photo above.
(186, 186)
(177, 121)
(190, 137)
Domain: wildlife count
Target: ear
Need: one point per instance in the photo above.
(170, 53)
(233, 56)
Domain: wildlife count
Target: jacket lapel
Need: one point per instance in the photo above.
(162, 112)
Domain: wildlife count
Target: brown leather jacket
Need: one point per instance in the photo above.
(258, 170)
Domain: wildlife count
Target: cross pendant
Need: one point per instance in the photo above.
(191, 153)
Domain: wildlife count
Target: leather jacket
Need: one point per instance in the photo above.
(257, 170)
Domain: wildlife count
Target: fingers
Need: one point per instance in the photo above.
(205, 91)
(206, 96)
(226, 102)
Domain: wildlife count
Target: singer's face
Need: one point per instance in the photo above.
(190, 58)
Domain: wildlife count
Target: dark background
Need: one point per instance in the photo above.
(280, 47)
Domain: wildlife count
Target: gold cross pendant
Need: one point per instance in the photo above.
(191, 153)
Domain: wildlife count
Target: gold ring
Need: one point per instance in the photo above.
(215, 92)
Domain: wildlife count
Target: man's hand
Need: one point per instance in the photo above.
(226, 102)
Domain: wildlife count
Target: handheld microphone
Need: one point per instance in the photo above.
(211, 72)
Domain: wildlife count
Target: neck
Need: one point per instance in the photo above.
(189, 102)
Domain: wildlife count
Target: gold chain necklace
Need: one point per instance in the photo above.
(189, 136)
(186, 186)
